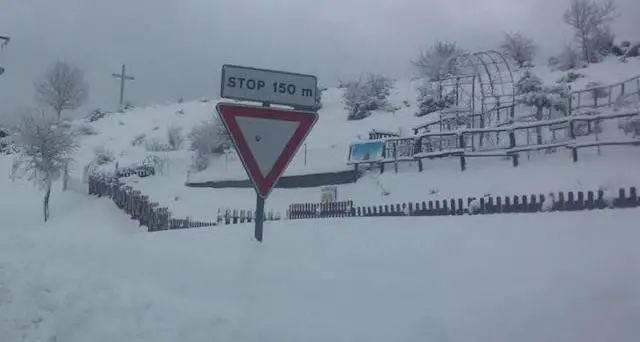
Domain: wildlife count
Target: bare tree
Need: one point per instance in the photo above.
(62, 88)
(589, 19)
(439, 61)
(519, 48)
(45, 147)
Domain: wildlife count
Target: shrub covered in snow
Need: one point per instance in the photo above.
(6, 144)
(630, 126)
(568, 59)
(430, 99)
(570, 77)
(597, 90)
(175, 137)
(155, 145)
(532, 92)
(96, 115)
(102, 156)
(208, 138)
(85, 129)
(363, 96)
(138, 139)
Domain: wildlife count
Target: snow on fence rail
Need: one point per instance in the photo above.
(139, 206)
(604, 96)
(506, 141)
(569, 201)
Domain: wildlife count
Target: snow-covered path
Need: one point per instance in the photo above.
(91, 274)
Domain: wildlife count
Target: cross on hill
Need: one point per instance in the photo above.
(123, 77)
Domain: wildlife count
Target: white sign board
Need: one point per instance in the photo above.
(268, 86)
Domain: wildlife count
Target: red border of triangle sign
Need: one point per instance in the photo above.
(229, 114)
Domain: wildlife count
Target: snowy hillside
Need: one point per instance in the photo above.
(128, 137)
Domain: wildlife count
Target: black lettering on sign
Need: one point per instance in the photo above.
(231, 82)
(240, 82)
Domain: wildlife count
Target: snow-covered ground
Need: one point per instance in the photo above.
(90, 274)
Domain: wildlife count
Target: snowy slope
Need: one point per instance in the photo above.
(91, 274)
(326, 149)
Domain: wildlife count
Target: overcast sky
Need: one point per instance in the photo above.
(175, 48)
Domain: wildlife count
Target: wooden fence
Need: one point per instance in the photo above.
(139, 206)
(561, 201)
(507, 141)
(234, 216)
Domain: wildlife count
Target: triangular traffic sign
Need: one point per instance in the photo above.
(266, 139)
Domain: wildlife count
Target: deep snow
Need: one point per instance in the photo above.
(91, 274)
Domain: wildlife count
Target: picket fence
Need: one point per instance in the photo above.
(561, 201)
(140, 207)
(156, 218)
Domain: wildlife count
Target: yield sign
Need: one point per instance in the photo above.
(266, 139)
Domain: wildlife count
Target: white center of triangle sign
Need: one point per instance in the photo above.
(266, 138)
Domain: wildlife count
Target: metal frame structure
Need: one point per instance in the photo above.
(483, 88)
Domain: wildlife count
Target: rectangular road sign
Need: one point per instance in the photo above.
(269, 86)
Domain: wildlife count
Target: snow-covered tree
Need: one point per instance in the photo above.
(589, 21)
(62, 88)
(519, 48)
(431, 99)
(440, 61)
(45, 147)
(532, 92)
(367, 94)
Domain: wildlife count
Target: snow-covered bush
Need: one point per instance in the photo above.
(430, 99)
(630, 126)
(175, 137)
(568, 59)
(96, 115)
(597, 90)
(208, 138)
(570, 77)
(440, 61)
(155, 145)
(363, 96)
(533, 93)
(6, 144)
(549, 202)
(138, 139)
(102, 156)
(86, 130)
